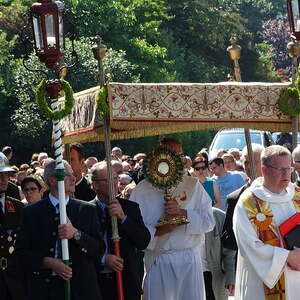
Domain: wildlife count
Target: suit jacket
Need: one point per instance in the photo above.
(228, 238)
(83, 191)
(13, 191)
(134, 237)
(38, 237)
(221, 261)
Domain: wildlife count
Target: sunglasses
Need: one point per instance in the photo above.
(32, 189)
(200, 168)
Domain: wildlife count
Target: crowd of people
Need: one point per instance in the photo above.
(230, 244)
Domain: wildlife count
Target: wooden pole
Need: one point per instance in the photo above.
(235, 54)
(99, 51)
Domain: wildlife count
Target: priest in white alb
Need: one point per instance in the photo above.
(173, 260)
(265, 269)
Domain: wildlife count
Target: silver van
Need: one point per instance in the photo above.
(228, 138)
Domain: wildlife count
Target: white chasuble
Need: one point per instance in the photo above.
(261, 263)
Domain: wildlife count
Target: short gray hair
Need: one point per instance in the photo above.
(296, 153)
(256, 148)
(49, 170)
(125, 176)
(272, 152)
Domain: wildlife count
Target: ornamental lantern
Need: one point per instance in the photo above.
(293, 8)
(47, 25)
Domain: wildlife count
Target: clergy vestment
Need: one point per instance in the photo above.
(262, 265)
(173, 261)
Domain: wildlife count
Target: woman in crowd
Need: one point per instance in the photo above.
(32, 190)
(200, 167)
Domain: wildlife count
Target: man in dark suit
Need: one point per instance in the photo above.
(228, 238)
(133, 233)
(83, 189)
(38, 247)
(11, 277)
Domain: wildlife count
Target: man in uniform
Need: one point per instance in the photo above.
(38, 248)
(133, 233)
(12, 283)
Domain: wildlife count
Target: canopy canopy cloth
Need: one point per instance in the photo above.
(138, 110)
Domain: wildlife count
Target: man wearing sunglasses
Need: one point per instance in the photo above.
(11, 278)
(265, 269)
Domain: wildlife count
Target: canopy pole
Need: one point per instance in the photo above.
(99, 51)
(295, 128)
(235, 54)
(293, 48)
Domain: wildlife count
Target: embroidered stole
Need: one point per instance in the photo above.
(261, 217)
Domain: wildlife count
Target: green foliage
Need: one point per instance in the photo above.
(193, 141)
(255, 12)
(265, 68)
(84, 75)
(148, 41)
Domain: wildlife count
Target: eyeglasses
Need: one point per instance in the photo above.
(32, 189)
(200, 168)
(282, 170)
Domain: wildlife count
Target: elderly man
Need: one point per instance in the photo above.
(133, 233)
(117, 153)
(173, 261)
(39, 243)
(228, 237)
(124, 180)
(265, 269)
(12, 283)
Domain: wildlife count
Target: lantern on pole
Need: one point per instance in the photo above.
(293, 8)
(47, 24)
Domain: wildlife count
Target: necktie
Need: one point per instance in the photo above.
(58, 243)
(108, 229)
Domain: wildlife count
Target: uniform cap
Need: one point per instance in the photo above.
(4, 164)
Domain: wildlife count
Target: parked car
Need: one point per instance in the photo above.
(235, 138)
(275, 136)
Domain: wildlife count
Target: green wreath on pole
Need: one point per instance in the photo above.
(289, 101)
(101, 101)
(41, 95)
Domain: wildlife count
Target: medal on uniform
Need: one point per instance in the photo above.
(10, 207)
(9, 238)
(11, 249)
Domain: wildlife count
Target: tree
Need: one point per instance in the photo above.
(255, 12)
(276, 34)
